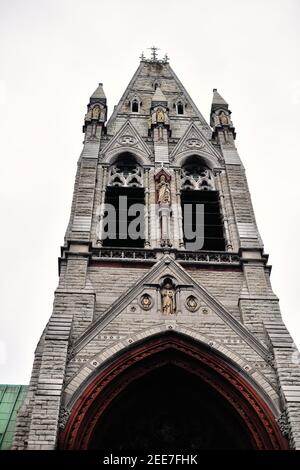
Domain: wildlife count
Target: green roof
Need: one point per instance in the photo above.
(11, 398)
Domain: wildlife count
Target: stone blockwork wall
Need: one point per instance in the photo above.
(224, 284)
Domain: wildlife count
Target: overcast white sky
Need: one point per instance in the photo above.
(53, 54)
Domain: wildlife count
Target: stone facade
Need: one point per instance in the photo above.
(224, 298)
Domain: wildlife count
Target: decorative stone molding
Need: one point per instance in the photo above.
(194, 142)
(205, 310)
(116, 253)
(63, 418)
(70, 353)
(283, 424)
(203, 257)
(271, 360)
(127, 139)
(146, 301)
(207, 257)
(104, 385)
(192, 303)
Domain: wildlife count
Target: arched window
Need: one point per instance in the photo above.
(123, 223)
(135, 106)
(198, 196)
(180, 108)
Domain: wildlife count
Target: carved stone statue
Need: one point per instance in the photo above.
(224, 119)
(160, 115)
(164, 193)
(96, 112)
(168, 299)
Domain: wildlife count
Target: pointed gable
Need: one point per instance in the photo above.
(194, 142)
(126, 140)
(169, 268)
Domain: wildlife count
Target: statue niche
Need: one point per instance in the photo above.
(160, 116)
(168, 301)
(163, 197)
(159, 122)
(224, 119)
(96, 112)
(164, 193)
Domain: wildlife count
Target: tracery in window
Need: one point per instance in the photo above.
(197, 177)
(124, 204)
(125, 175)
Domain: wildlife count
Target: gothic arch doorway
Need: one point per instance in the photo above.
(170, 408)
(169, 393)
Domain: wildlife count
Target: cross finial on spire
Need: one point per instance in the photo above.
(154, 56)
(154, 52)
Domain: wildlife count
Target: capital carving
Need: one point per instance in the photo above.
(63, 418)
(283, 424)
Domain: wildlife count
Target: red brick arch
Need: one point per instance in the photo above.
(171, 348)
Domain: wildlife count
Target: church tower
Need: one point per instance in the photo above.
(165, 332)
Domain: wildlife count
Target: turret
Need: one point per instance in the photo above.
(96, 114)
(220, 120)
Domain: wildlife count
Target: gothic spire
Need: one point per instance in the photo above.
(218, 102)
(98, 95)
